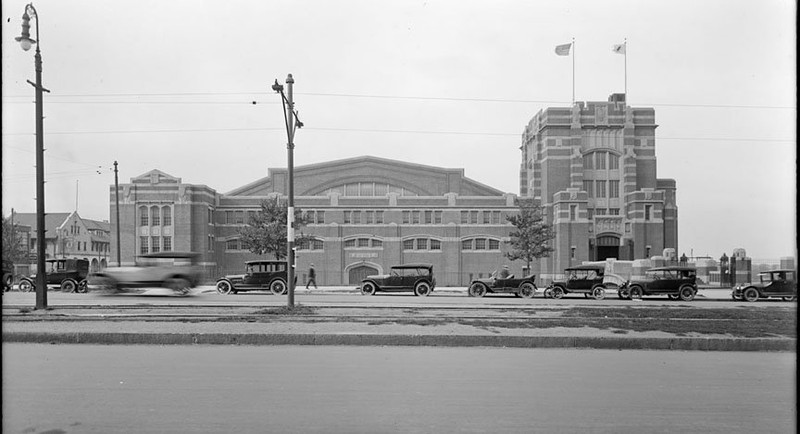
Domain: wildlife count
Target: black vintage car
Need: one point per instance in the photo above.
(775, 283)
(674, 282)
(69, 274)
(259, 275)
(408, 277)
(581, 279)
(520, 287)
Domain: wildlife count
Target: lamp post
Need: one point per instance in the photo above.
(116, 207)
(292, 124)
(25, 42)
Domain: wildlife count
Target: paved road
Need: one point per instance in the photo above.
(206, 296)
(152, 389)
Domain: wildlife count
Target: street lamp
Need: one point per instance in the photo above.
(26, 42)
(292, 124)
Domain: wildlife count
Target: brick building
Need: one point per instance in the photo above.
(593, 166)
(365, 215)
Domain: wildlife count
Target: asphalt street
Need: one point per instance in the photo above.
(179, 389)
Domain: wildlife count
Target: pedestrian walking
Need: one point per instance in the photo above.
(312, 277)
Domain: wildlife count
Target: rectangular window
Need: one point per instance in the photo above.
(155, 247)
(497, 218)
(487, 217)
(494, 244)
(210, 216)
(590, 213)
(613, 188)
(613, 162)
(166, 243)
(587, 162)
(239, 217)
(320, 217)
(356, 217)
(466, 245)
(464, 217)
(377, 243)
(422, 244)
(347, 217)
(167, 216)
(317, 244)
(143, 217)
(573, 212)
(428, 217)
(415, 217)
(600, 161)
(601, 189)
(302, 244)
(155, 216)
(210, 243)
(379, 217)
(613, 211)
(143, 245)
(600, 211)
(252, 215)
(473, 217)
(369, 217)
(232, 245)
(363, 242)
(408, 244)
(229, 217)
(480, 243)
(350, 243)
(436, 245)
(647, 211)
(406, 217)
(437, 217)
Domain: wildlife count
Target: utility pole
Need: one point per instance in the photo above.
(116, 190)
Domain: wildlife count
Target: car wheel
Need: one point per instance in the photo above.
(368, 288)
(548, 293)
(25, 286)
(422, 289)
(527, 290)
(278, 287)
(178, 284)
(224, 287)
(686, 293)
(672, 296)
(68, 285)
(635, 292)
(477, 290)
(599, 293)
(792, 298)
(750, 294)
(624, 293)
(83, 287)
(558, 292)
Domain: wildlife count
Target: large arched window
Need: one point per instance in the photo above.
(155, 216)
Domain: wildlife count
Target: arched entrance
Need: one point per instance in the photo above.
(358, 272)
(607, 247)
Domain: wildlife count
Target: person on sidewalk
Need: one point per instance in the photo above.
(312, 277)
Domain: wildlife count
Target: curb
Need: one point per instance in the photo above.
(616, 343)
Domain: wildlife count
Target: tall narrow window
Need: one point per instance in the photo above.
(437, 217)
(166, 213)
(369, 217)
(379, 217)
(613, 189)
(155, 213)
(573, 212)
(487, 217)
(613, 162)
(600, 187)
(320, 217)
(415, 215)
(647, 211)
(428, 217)
(143, 245)
(587, 187)
(497, 217)
(155, 244)
(239, 217)
(587, 162)
(406, 217)
(356, 217)
(464, 217)
(166, 244)
(600, 160)
(473, 217)
(144, 216)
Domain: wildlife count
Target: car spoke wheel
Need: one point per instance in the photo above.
(527, 290)
(26, 286)
(368, 288)
(68, 285)
(792, 298)
(686, 293)
(178, 285)
(599, 293)
(635, 292)
(224, 287)
(558, 293)
(278, 287)
(750, 294)
(83, 287)
(624, 293)
(477, 290)
(422, 289)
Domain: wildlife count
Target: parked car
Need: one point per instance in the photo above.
(675, 282)
(409, 277)
(69, 274)
(520, 287)
(775, 283)
(8, 275)
(178, 271)
(581, 279)
(258, 276)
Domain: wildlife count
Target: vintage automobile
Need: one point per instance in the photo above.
(520, 287)
(408, 277)
(69, 274)
(258, 276)
(8, 275)
(581, 279)
(178, 271)
(775, 283)
(674, 281)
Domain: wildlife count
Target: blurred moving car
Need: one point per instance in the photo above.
(177, 271)
(582, 279)
(775, 283)
(674, 282)
(69, 274)
(520, 287)
(408, 277)
(258, 276)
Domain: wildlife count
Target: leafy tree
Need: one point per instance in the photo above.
(531, 238)
(12, 249)
(265, 233)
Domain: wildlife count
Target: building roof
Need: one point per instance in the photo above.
(51, 222)
(97, 225)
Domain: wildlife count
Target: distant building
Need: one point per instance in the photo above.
(68, 235)
(366, 214)
(593, 167)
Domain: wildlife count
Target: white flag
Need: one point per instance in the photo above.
(563, 50)
(619, 48)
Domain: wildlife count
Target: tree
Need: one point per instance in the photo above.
(12, 249)
(531, 238)
(265, 232)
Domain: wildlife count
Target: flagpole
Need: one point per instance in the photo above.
(573, 71)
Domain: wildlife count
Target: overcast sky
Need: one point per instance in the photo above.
(170, 85)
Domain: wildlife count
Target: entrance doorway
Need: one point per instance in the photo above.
(607, 247)
(359, 273)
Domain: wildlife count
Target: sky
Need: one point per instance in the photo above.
(184, 87)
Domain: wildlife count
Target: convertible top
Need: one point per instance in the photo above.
(413, 266)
